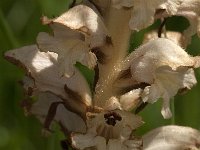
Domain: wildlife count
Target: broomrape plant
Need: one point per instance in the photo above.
(96, 34)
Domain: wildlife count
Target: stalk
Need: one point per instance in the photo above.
(117, 22)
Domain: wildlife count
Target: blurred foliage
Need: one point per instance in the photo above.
(19, 26)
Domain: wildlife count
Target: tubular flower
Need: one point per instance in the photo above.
(59, 113)
(164, 69)
(143, 11)
(176, 37)
(82, 30)
(110, 130)
(190, 10)
(42, 69)
(52, 76)
(172, 137)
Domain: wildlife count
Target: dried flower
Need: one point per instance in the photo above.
(172, 137)
(143, 10)
(165, 67)
(42, 68)
(76, 32)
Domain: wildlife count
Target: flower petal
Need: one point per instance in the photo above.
(84, 19)
(114, 144)
(129, 100)
(166, 67)
(81, 141)
(172, 137)
(167, 84)
(43, 68)
(143, 13)
(69, 52)
(171, 6)
(122, 3)
(190, 10)
(176, 37)
(69, 120)
(159, 52)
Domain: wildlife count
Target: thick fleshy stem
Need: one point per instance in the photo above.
(117, 22)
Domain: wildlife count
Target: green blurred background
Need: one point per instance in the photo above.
(19, 26)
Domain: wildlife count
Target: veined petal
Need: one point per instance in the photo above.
(171, 6)
(165, 67)
(176, 37)
(167, 84)
(109, 130)
(88, 140)
(190, 10)
(159, 52)
(83, 19)
(172, 137)
(69, 52)
(114, 144)
(143, 13)
(129, 100)
(69, 120)
(43, 68)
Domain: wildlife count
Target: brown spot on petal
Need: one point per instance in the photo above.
(126, 8)
(183, 90)
(72, 94)
(16, 62)
(28, 91)
(141, 107)
(101, 57)
(109, 40)
(51, 114)
(125, 74)
(197, 145)
(159, 12)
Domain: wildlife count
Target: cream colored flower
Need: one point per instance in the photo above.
(172, 138)
(59, 99)
(62, 93)
(109, 131)
(165, 68)
(76, 32)
(69, 121)
(143, 11)
(190, 10)
(43, 68)
(176, 37)
(122, 3)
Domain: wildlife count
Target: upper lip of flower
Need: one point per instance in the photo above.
(166, 70)
(172, 137)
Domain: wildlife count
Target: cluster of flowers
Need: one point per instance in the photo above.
(96, 33)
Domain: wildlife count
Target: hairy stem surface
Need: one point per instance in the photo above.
(117, 22)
